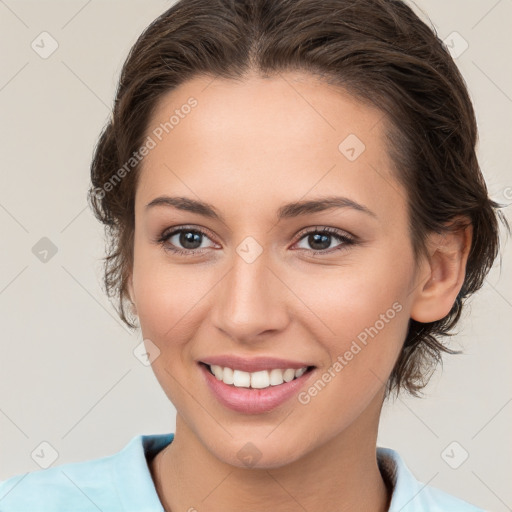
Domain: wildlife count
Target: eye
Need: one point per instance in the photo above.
(321, 238)
(190, 240)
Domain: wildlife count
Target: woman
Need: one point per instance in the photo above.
(295, 215)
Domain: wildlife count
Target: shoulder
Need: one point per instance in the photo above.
(115, 483)
(76, 486)
(410, 495)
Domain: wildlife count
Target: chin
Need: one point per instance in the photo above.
(257, 451)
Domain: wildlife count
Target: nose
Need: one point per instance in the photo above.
(250, 301)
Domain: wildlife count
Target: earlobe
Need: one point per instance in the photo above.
(443, 276)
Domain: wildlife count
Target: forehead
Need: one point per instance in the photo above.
(261, 140)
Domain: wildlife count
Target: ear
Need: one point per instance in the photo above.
(442, 273)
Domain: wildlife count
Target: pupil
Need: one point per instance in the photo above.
(319, 241)
(190, 237)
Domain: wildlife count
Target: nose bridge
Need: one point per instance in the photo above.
(249, 300)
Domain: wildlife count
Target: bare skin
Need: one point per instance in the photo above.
(248, 148)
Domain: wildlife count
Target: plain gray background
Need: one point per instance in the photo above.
(68, 375)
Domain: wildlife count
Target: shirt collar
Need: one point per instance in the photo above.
(131, 473)
(406, 496)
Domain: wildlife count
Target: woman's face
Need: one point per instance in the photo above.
(263, 281)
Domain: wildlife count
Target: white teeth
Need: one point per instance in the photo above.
(276, 377)
(300, 372)
(288, 374)
(227, 375)
(257, 380)
(260, 380)
(241, 379)
(217, 371)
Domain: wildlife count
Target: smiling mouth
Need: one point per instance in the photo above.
(256, 380)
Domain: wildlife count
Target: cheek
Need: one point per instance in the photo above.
(359, 314)
(364, 339)
(351, 299)
(168, 296)
(169, 310)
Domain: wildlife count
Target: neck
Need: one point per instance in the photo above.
(342, 471)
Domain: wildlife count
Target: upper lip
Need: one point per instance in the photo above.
(255, 364)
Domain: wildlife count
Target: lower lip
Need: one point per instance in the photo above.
(249, 400)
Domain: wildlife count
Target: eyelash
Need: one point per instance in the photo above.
(346, 239)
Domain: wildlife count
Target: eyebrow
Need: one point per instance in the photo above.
(287, 211)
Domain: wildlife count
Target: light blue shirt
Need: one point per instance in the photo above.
(122, 483)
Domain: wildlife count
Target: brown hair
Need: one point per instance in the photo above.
(379, 51)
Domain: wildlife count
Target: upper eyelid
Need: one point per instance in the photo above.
(173, 231)
(328, 229)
